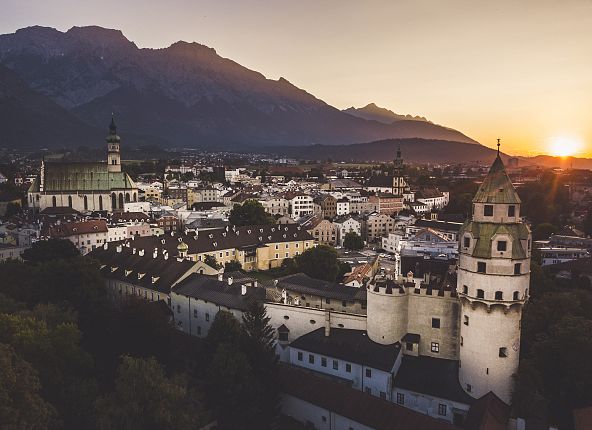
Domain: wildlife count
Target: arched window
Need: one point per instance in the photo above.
(499, 295)
(127, 197)
(85, 203)
(480, 294)
(100, 203)
(120, 200)
(113, 201)
(69, 201)
(135, 197)
(54, 201)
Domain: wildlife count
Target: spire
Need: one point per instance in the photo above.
(112, 126)
(497, 186)
(498, 146)
(399, 152)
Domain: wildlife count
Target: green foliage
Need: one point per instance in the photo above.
(251, 212)
(232, 266)
(50, 250)
(544, 231)
(12, 209)
(224, 328)
(145, 398)
(587, 223)
(21, 405)
(353, 241)
(289, 266)
(211, 261)
(319, 262)
(344, 268)
(546, 200)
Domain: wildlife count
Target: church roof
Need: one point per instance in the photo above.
(497, 186)
(85, 176)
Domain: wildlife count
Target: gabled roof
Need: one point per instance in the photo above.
(304, 284)
(350, 345)
(488, 413)
(497, 186)
(484, 232)
(80, 227)
(370, 411)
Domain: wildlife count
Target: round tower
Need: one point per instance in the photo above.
(492, 284)
(113, 156)
(386, 321)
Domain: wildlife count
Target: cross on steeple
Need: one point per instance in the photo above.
(498, 146)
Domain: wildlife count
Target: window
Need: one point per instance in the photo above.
(328, 301)
(178, 309)
(400, 398)
(467, 242)
(277, 255)
(435, 347)
(324, 418)
(503, 352)
(408, 346)
(368, 373)
(299, 356)
(283, 336)
(194, 313)
(502, 245)
(469, 388)
(311, 358)
(335, 365)
(481, 266)
(344, 304)
(465, 289)
(348, 368)
(323, 362)
(517, 268)
(435, 322)
(287, 254)
(461, 341)
(466, 321)
(511, 210)
(442, 409)
(488, 210)
(516, 295)
(499, 295)
(480, 294)
(207, 317)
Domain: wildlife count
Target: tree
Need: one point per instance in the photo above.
(544, 230)
(251, 212)
(289, 266)
(21, 405)
(232, 266)
(344, 267)
(319, 262)
(211, 261)
(587, 223)
(225, 328)
(144, 397)
(353, 241)
(50, 250)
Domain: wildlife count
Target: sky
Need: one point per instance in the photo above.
(519, 70)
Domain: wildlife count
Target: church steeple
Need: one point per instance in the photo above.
(398, 162)
(113, 156)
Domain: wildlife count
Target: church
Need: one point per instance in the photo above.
(85, 186)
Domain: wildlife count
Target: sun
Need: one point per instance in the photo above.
(564, 146)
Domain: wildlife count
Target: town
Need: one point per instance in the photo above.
(393, 292)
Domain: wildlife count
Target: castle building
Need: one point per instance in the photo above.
(395, 184)
(492, 283)
(85, 186)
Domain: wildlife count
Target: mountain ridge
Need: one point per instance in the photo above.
(185, 95)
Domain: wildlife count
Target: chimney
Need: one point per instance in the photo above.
(230, 280)
(327, 323)
(119, 248)
(141, 252)
(220, 276)
(134, 251)
(155, 253)
(243, 290)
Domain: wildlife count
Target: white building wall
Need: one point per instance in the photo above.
(429, 405)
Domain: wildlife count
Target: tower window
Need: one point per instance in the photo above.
(467, 242)
(435, 322)
(481, 267)
(469, 388)
(442, 409)
(435, 347)
(400, 398)
(516, 295)
(465, 289)
(480, 294)
(503, 352)
(517, 268)
(502, 245)
(488, 210)
(466, 321)
(511, 210)
(499, 295)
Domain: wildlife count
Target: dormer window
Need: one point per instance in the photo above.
(488, 210)
(502, 245)
(467, 241)
(511, 211)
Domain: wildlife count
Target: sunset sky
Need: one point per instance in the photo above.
(519, 70)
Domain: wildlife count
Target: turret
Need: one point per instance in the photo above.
(386, 311)
(492, 284)
(113, 155)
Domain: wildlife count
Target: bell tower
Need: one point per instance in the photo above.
(492, 284)
(113, 156)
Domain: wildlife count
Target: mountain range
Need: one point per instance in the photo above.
(60, 88)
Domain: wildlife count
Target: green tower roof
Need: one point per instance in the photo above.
(497, 186)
